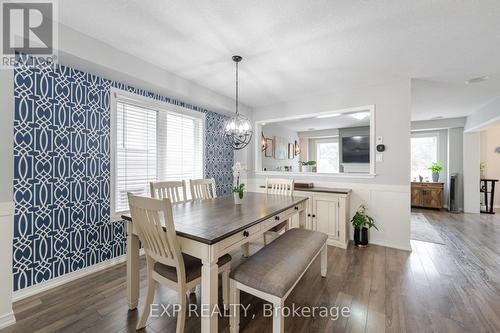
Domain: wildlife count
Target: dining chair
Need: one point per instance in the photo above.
(202, 189)
(278, 186)
(174, 190)
(166, 264)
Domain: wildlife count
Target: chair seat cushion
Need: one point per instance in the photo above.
(276, 267)
(192, 266)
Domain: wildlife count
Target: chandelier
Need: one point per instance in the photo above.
(237, 129)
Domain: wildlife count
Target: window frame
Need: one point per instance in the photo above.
(425, 134)
(150, 103)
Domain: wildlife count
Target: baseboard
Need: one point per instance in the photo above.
(61, 280)
(7, 319)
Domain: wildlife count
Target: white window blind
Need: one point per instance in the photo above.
(154, 144)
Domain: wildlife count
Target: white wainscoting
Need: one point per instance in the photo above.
(6, 229)
(389, 205)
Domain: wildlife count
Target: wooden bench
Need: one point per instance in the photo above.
(273, 272)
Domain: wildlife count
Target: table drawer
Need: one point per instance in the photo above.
(241, 237)
(283, 216)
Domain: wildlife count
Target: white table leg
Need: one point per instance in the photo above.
(324, 260)
(132, 268)
(209, 284)
(234, 307)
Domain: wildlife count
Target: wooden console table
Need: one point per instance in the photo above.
(488, 191)
(427, 195)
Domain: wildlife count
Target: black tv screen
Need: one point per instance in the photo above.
(356, 149)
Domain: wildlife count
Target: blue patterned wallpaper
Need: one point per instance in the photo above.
(62, 169)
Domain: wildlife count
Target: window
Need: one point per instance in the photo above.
(153, 141)
(327, 153)
(424, 152)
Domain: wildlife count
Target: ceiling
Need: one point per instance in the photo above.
(315, 124)
(292, 47)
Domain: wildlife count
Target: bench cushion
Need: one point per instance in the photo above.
(276, 267)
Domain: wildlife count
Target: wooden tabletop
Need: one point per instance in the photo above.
(210, 221)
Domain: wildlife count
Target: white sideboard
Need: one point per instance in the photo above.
(327, 211)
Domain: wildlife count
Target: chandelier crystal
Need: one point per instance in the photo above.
(237, 129)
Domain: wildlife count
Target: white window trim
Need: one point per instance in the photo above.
(122, 95)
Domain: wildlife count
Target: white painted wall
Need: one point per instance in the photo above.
(471, 162)
(490, 140)
(388, 193)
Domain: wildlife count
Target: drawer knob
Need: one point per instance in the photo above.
(245, 233)
(314, 215)
(309, 215)
(296, 208)
(277, 218)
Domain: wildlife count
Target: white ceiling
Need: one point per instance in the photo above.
(293, 47)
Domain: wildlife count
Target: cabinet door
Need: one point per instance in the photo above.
(326, 215)
(434, 197)
(294, 221)
(416, 196)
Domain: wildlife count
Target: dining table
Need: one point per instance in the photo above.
(208, 229)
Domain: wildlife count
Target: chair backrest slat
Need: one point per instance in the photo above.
(170, 190)
(202, 189)
(153, 220)
(279, 186)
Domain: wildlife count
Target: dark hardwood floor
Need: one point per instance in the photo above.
(436, 288)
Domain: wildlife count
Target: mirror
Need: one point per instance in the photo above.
(335, 142)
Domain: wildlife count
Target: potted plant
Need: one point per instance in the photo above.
(436, 168)
(306, 166)
(239, 188)
(361, 223)
(238, 193)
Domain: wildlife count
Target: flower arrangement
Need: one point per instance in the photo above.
(239, 188)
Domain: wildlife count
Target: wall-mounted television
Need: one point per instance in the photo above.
(356, 149)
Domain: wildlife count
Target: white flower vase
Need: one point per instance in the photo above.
(306, 168)
(237, 200)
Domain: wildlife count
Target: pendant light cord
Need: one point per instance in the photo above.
(236, 87)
